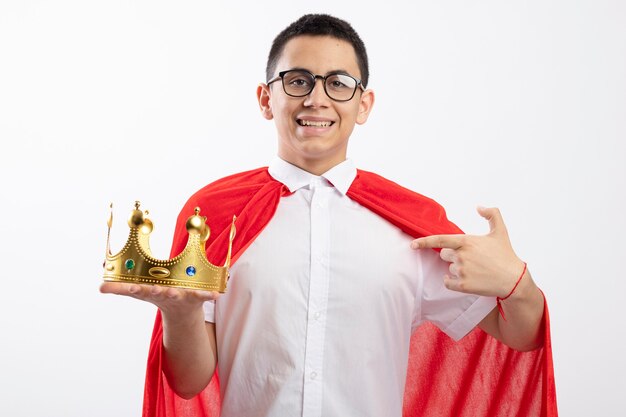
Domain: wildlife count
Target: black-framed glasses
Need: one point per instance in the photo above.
(299, 83)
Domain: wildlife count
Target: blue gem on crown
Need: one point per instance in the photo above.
(191, 271)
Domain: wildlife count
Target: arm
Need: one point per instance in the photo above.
(190, 352)
(487, 265)
(523, 310)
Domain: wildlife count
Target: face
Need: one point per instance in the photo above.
(313, 130)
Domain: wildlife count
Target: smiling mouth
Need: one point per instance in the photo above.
(315, 123)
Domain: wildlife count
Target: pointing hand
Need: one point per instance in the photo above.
(482, 265)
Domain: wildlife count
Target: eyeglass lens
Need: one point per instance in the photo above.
(339, 87)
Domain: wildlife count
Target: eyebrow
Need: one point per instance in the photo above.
(337, 71)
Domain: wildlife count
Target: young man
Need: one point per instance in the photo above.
(329, 283)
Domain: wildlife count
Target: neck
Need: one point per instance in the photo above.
(315, 167)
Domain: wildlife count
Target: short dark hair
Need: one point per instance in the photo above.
(319, 25)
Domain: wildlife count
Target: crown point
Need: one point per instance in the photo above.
(195, 223)
(110, 219)
(136, 218)
(196, 211)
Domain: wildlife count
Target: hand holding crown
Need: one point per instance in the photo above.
(171, 301)
(134, 272)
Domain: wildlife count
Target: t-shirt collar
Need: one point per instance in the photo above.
(340, 176)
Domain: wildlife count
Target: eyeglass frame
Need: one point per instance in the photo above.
(281, 76)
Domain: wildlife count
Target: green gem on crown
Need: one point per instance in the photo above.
(129, 264)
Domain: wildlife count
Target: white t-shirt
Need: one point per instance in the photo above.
(321, 306)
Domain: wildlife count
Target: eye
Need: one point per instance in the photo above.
(340, 82)
(337, 84)
(298, 80)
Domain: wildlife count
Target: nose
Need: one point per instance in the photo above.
(317, 97)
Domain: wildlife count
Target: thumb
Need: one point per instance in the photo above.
(492, 214)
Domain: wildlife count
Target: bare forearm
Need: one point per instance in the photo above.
(520, 328)
(190, 354)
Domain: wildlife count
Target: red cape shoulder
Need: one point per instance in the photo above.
(414, 213)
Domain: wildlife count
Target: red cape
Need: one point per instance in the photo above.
(477, 376)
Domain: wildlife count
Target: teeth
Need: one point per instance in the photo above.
(314, 123)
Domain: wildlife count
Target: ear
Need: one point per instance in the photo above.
(366, 103)
(265, 102)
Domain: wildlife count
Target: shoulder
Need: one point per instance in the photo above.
(412, 212)
(253, 177)
(227, 196)
(371, 183)
(227, 192)
(235, 184)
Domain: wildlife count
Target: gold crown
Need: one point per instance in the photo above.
(190, 269)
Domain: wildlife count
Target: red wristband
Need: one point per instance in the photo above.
(500, 299)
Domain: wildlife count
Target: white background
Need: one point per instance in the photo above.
(520, 105)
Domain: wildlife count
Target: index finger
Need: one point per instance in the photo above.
(438, 241)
